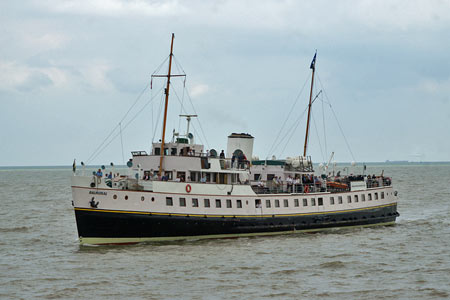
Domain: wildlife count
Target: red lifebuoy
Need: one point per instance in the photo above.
(188, 188)
(306, 188)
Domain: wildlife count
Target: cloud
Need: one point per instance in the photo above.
(198, 90)
(117, 7)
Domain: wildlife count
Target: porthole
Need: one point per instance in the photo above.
(153, 199)
(115, 197)
(142, 198)
(126, 197)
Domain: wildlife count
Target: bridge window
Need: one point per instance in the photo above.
(182, 201)
(257, 176)
(206, 202)
(169, 201)
(194, 202)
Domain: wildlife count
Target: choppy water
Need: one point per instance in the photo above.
(40, 256)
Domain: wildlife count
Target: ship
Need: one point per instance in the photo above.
(180, 191)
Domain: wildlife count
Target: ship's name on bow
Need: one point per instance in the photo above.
(97, 193)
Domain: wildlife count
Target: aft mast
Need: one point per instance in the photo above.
(165, 108)
(313, 67)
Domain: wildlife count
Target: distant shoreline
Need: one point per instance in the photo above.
(338, 164)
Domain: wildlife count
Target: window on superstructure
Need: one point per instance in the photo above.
(340, 199)
(382, 195)
(182, 201)
(332, 200)
(193, 177)
(356, 198)
(258, 203)
(157, 151)
(296, 204)
(169, 201)
(194, 202)
(376, 196)
(305, 202)
(173, 151)
(268, 205)
(270, 177)
(257, 176)
(277, 203)
(370, 196)
(238, 203)
(286, 202)
(349, 199)
(320, 201)
(313, 201)
(206, 202)
(218, 203)
(229, 203)
(363, 197)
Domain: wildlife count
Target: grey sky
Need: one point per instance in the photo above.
(71, 69)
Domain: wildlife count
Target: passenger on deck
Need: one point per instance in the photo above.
(99, 173)
(233, 158)
(222, 155)
(203, 179)
(110, 175)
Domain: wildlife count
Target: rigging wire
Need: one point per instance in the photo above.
(291, 131)
(114, 129)
(324, 127)
(184, 109)
(158, 115)
(273, 147)
(337, 121)
(195, 112)
(318, 137)
(124, 127)
(121, 142)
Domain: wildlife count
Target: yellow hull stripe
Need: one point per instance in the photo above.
(99, 241)
(232, 216)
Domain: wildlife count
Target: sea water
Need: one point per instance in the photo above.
(40, 256)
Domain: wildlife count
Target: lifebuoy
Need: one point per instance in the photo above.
(306, 188)
(188, 188)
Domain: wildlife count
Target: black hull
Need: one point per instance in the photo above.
(94, 223)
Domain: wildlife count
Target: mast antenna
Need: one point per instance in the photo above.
(313, 67)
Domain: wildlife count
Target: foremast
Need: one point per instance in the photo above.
(313, 67)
